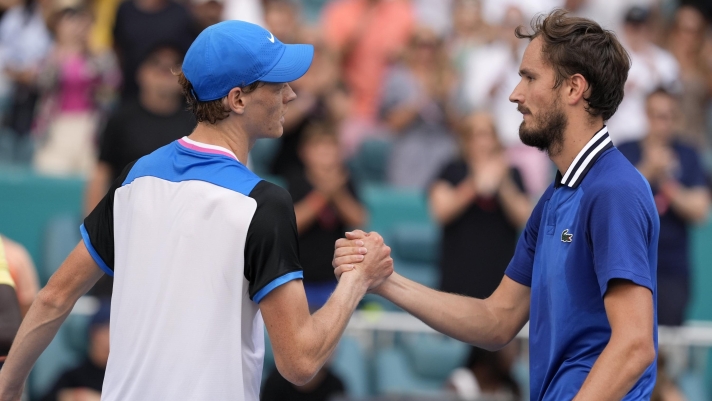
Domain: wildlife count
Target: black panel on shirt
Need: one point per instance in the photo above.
(100, 222)
(272, 247)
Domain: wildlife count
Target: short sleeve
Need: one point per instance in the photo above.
(98, 228)
(272, 247)
(522, 263)
(622, 226)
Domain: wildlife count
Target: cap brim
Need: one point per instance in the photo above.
(294, 63)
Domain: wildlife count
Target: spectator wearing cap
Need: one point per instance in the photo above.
(651, 67)
(84, 382)
(676, 176)
(77, 86)
(140, 26)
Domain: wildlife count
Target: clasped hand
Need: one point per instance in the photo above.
(364, 254)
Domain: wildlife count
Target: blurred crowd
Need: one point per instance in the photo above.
(87, 86)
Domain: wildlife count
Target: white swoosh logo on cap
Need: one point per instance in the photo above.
(271, 39)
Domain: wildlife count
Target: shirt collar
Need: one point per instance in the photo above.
(206, 148)
(585, 160)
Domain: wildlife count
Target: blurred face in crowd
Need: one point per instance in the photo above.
(424, 46)
(466, 15)
(155, 76)
(281, 18)
(99, 345)
(689, 28)
(73, 27)
(480, 138)
(661, 110)
(540, 104)
(321, 152)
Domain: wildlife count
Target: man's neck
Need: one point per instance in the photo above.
(576, 136)
(226, 135)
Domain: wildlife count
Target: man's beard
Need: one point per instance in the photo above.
(548, 134)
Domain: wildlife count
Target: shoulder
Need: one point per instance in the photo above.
(271, 196)
(615, 181)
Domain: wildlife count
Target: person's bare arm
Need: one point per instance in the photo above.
(486, 323)
(515, 203)
(448, 202)
(302, 342)
(73, 279)
(97, 186)
(692, 204)
(26, 283)
(630, 350)
(349, 208)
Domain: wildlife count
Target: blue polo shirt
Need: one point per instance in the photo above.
(595, 223)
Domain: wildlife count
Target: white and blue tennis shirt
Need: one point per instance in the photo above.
(596, 223)
(194, 241)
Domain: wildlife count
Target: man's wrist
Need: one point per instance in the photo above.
(355, 280)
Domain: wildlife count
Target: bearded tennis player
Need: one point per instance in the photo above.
(203, 252)
(584, 270)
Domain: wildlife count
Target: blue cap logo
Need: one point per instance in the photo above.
(237, 53)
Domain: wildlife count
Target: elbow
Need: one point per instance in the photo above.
(641, 354)
(298, 371)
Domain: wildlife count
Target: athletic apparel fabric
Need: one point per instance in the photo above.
(594, 224)
(194, 241)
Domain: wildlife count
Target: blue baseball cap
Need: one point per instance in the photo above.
(237, 53)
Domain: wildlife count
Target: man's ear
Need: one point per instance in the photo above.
(576, 89)
(236, 100)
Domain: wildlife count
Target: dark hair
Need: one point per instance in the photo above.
(573, 45)
(211, 111)
(316, 131)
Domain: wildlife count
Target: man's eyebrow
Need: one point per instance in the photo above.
(526, 72)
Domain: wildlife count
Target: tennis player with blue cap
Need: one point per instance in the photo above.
(203, 252)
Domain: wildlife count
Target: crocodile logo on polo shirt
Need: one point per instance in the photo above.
(566, 237)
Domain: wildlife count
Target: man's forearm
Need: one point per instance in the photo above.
(36, 332)
(467, 319)
(301, 342)
(615, 372)
(329, 322)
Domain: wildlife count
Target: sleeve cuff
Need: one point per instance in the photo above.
(94, 254)
(624, 275)
(297, 275)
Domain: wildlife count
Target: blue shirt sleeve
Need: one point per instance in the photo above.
(623, 233)
(522, 263)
